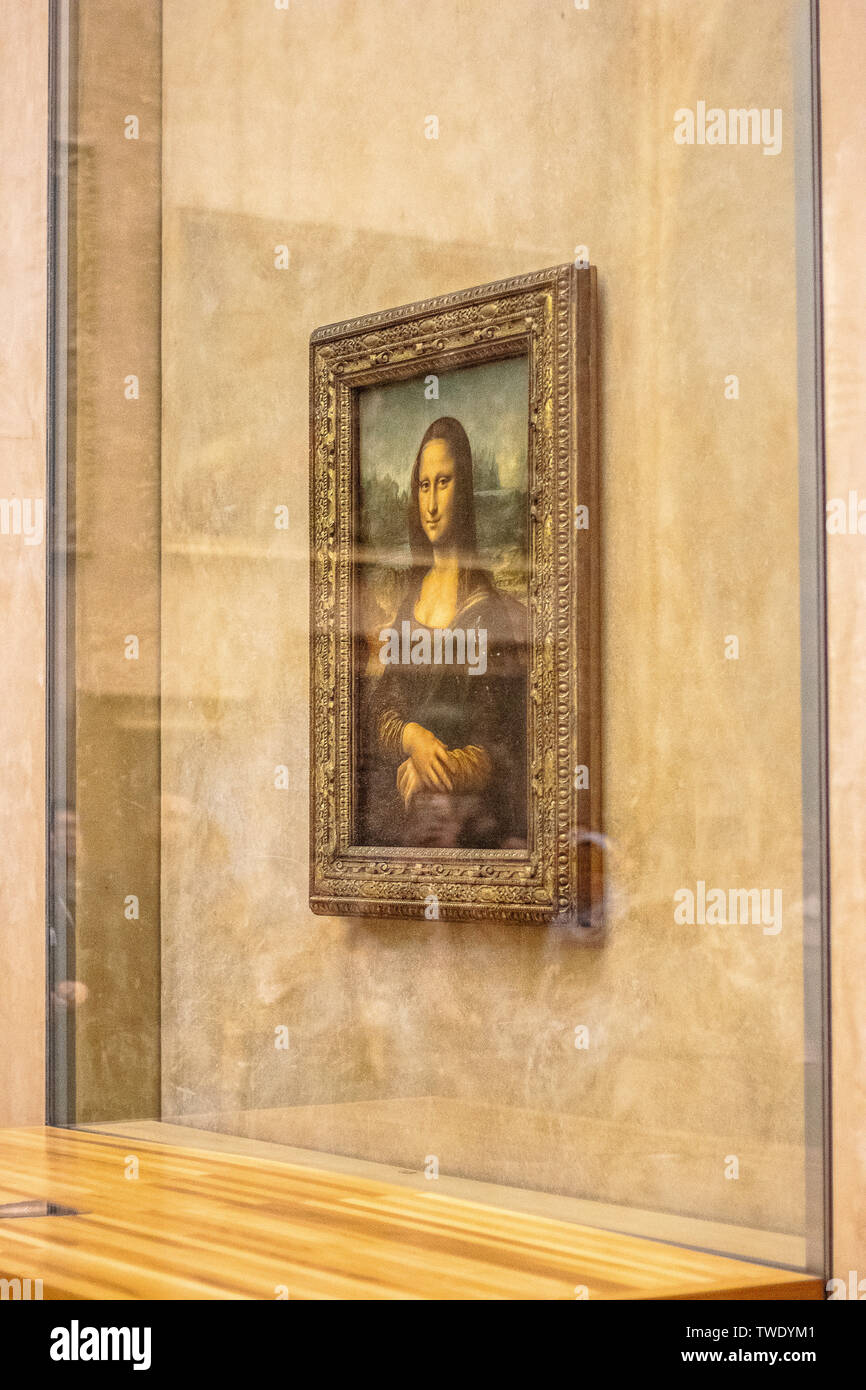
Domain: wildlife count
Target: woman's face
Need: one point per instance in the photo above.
(436, 491)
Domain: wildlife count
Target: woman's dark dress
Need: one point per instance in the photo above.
(482, 711)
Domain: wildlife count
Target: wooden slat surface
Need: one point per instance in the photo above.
(202, 1225)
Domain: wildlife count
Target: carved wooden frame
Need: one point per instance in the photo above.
(551, 317)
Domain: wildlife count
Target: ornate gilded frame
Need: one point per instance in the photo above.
(551, 317)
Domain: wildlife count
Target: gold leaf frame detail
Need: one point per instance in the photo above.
(550, 316)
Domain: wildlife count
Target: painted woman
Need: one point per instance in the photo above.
(447, 754)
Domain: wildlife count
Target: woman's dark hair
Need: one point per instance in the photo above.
(472, 574)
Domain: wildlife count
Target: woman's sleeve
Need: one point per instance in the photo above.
(495, 701)
(389, 730)
(470, 769)
(389, 714)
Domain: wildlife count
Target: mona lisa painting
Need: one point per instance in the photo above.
(454, 712)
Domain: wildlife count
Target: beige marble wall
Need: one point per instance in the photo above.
(116, 481)
(23, 280)
(843, 55)
(305, 128)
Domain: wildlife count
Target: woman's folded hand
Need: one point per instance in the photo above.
(408, 781)
(429, 757)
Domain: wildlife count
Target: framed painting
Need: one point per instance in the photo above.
(454, 606)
